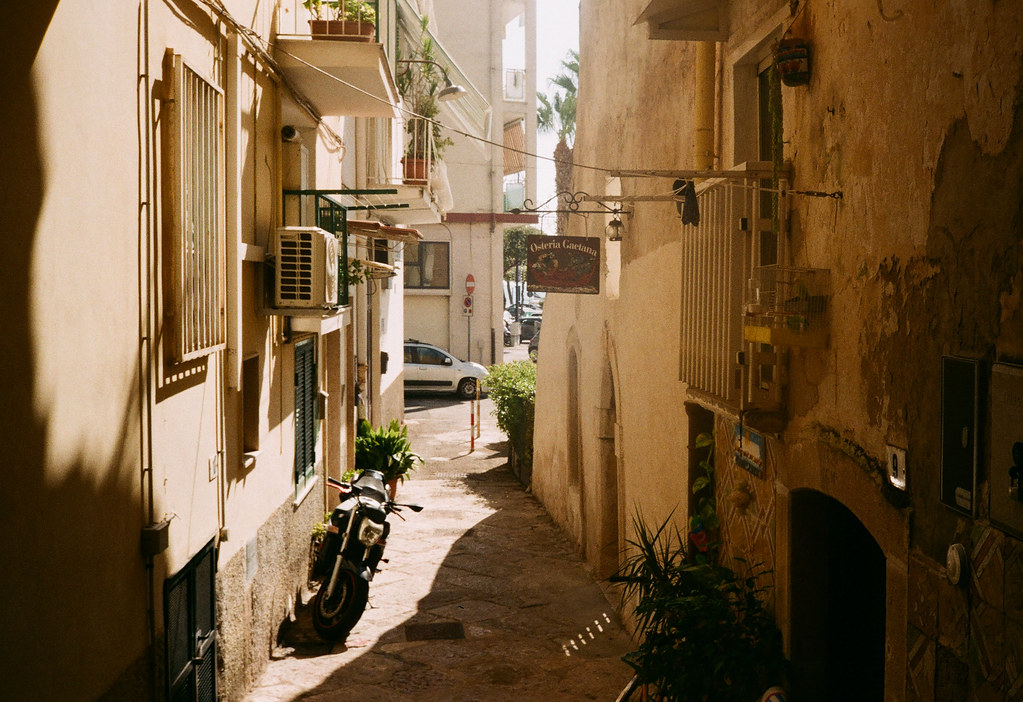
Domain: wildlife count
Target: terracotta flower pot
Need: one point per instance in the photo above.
(416, 170)
(792, 58)
(317, 27)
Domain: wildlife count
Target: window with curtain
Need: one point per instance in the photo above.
(427, 265)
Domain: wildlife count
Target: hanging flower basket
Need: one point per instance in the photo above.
(792, 59)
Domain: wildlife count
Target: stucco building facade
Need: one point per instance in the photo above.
(187, 346)
(844, 317)
(491, 46)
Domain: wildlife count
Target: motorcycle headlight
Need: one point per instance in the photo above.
(370, 532)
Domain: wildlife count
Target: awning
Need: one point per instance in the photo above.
(686, 20)
(515, 137)
(376, 270)
(394, 204)
(379, 230)
(339, 77)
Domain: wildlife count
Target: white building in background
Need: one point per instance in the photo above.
(454, 296)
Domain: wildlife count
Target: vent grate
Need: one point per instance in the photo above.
(296, 267)
(434, 631)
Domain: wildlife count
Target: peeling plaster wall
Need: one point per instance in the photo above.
(629, 343)
(913, 114)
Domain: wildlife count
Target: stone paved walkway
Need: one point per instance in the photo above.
(484, 598)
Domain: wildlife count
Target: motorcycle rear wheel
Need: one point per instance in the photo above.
(335, 617)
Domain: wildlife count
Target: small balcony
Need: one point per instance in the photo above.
(341, 66)
(740, 311)
(788, 306)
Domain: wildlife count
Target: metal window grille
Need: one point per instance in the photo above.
(715, 266)
(196, 294)
(741, 226)
(191, 630)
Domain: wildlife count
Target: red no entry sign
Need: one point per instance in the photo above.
(470, 284)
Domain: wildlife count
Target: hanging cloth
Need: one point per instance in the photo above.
(685, 202)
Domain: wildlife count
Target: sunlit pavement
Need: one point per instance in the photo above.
(483, 597)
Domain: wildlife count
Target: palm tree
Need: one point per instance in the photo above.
(556, 113)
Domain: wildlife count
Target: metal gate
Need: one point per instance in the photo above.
(190, 616)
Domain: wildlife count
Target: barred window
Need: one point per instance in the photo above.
(195, 290)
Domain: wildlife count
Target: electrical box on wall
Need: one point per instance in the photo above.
(960, 418)
(1006, 453)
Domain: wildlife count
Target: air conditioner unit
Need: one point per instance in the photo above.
(307, 268)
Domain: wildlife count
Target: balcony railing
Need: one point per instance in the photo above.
(742, 229)
(471, 111)
(715, 267)
(403, 155)
(294, 18)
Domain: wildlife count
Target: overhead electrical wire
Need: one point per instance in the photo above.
(261, 48)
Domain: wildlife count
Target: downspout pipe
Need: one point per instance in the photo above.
(146, 352)
(703, 106)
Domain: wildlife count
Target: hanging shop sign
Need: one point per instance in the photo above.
(563, 264)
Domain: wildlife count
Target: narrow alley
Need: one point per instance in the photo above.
(483, 598)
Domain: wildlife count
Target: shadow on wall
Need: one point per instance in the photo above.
(64, 539)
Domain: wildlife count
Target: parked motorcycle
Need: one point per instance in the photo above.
(351, 551)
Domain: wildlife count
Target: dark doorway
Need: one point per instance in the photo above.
(191, 618)
(838, 603)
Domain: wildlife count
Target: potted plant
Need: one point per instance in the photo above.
(318, 11)
(419, 85)
(365, 17)
(353, 20)
(792, 59)
(696, 616)
(385, 449)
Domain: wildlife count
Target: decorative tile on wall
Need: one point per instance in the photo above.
(924, 582)
(1012, 551)
(746, 502)
(953, 618)
(952, 678)
(1014, 659)
(920, 669)
(987, 566)
(986, 635)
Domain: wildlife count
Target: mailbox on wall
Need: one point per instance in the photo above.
(1006, 454)
(960, 407)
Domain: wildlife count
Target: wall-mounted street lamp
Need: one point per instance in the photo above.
(572, 203)
(450, 91)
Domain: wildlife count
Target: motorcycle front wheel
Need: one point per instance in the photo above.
(337, 615)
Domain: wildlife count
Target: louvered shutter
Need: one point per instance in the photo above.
(305, 411)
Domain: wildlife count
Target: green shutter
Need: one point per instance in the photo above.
(305, 411)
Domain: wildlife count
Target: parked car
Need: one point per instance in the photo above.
(534, 346)
(432, 369)
(530, 326)
(526, 310)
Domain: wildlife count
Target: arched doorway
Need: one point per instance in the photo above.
(837, 589)
(611, 536)
(574, 446)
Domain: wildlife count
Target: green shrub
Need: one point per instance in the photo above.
(512, 387)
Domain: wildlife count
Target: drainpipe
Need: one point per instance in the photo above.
(147, 354)
(703, 106)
